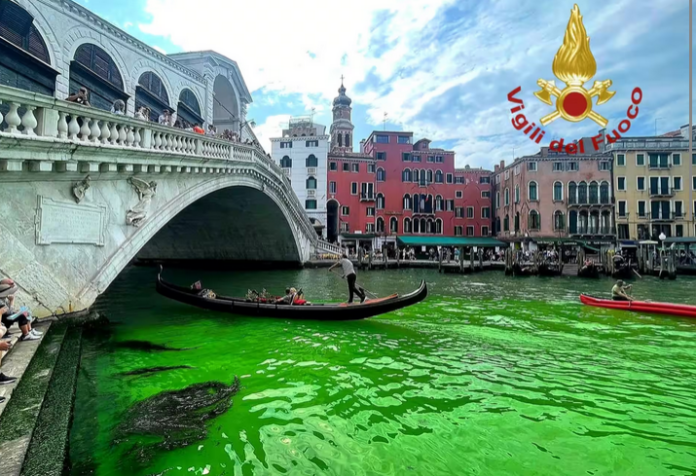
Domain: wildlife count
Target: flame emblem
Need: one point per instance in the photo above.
(574, 65)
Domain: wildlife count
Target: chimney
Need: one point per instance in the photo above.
(496, 167)
(685, 131)
(502, 164)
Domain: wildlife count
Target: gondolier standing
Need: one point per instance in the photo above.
(349, 274)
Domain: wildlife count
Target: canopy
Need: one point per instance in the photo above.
(357, 236)
(480, 241)
(681, 239)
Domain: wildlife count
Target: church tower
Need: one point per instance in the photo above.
(342, 127)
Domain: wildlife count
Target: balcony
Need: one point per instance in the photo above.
(666, 217)
(661, 192)
(593, 230)
(367, 197)
(577, 204)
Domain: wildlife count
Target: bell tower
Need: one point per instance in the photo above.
(342, 127)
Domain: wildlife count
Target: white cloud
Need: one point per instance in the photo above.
(127, 25)
(161, 50)
(272, 127)
(444, 78)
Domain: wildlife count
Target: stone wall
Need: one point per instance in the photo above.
(238, 217)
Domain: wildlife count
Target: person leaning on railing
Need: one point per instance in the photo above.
(80, 97)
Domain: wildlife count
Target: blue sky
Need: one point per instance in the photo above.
(441, 68)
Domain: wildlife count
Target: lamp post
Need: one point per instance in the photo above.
(662, 238)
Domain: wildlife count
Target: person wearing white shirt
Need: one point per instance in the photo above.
(349, 274)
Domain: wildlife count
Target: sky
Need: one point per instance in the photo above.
(439, 68)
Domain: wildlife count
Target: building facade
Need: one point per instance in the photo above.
(654, 183)
(552, 195)
(302, 153)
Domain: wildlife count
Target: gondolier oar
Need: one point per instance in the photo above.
(373, 295)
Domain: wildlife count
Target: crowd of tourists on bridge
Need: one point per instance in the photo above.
(167, 118)
(12, 315)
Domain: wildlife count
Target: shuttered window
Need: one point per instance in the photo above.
(100, 63)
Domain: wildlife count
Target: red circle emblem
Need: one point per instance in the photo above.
(575, 104)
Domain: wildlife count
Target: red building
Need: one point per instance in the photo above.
(394, 186)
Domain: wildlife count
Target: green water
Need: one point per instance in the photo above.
(489, 376)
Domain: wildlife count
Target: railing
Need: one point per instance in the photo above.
(649, 144)
(326, 247)
(367, 197)
(661, 192)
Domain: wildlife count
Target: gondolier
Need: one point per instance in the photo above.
(349, 274)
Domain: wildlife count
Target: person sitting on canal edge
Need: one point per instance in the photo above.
(620, 291)
(349, 274)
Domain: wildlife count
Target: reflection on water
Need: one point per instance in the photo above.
(490, 375)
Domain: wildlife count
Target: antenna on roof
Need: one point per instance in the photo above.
(311, 114)
(384, 122)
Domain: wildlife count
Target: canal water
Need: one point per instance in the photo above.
(489, 376)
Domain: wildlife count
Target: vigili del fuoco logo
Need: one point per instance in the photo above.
(574, 65)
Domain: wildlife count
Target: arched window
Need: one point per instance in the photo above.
(517, 221)
(286, 162)
(416, 225)
(311, 183)
(94, 70)
(422, 182)
(606, 223)
(16, 27)
(438, 226)
(583, 221)
(572, 193)
(407, 202)
(99, 64)
(573, 222)
(506, 223)
(438, 176)
(393, 225)
(381, 175)
(311, 161)
(604, 192)
(594, 192)
(416, 203)
(406, 175)
(558, 221)
(424, 226)
(507, 197)
(431, 226)
(416, 175)
(380, 225)
(497, 225)
(557, 191)
(380, 201)
(189, 109)
(347, 139)
(534, 220)
(533, 191)
(153, 85)
(340, 139)
(517, 194)
(582, 193)
(407, 225)
(438, 203)
(430, 177)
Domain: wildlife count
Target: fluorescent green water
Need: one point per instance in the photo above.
(489, 376)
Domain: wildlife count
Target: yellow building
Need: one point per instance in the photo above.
(654, 186)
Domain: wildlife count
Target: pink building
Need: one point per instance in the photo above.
(552, 195)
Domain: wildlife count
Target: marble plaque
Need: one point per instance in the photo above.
(66, 222)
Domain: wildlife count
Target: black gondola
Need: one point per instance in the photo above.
(589, 271)
(550, 269)
(318, 312)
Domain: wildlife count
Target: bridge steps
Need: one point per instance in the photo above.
(37, 365)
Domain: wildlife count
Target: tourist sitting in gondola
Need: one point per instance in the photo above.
(292, 296)
(620, 291)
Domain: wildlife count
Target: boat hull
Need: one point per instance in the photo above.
(681, 310)
(319, 312)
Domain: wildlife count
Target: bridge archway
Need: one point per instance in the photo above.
(225, 105)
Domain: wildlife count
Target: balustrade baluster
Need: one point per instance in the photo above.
(129, 136)
(137, 138)
(158, 140)
(170, 142)
(13, 119)
(178, 144)
(29, 121)
(85, 130)
(122, 135)
(1, 118)
(114, 134)
(95, 131)
(62, 125)
(73, 128)
(105, 132)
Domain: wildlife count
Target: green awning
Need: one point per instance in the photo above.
(482, 241)
(591, 248)
(681, 239)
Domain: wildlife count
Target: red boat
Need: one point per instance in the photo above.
(682, 310)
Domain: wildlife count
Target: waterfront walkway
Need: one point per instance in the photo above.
(452, 266)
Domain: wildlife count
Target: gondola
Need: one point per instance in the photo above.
(550, 269)
(623, 272)
(682, 310)
(318, 312)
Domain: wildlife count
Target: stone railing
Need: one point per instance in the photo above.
(328, 248)
(42, 117)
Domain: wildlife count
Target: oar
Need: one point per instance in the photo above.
(637, 274)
